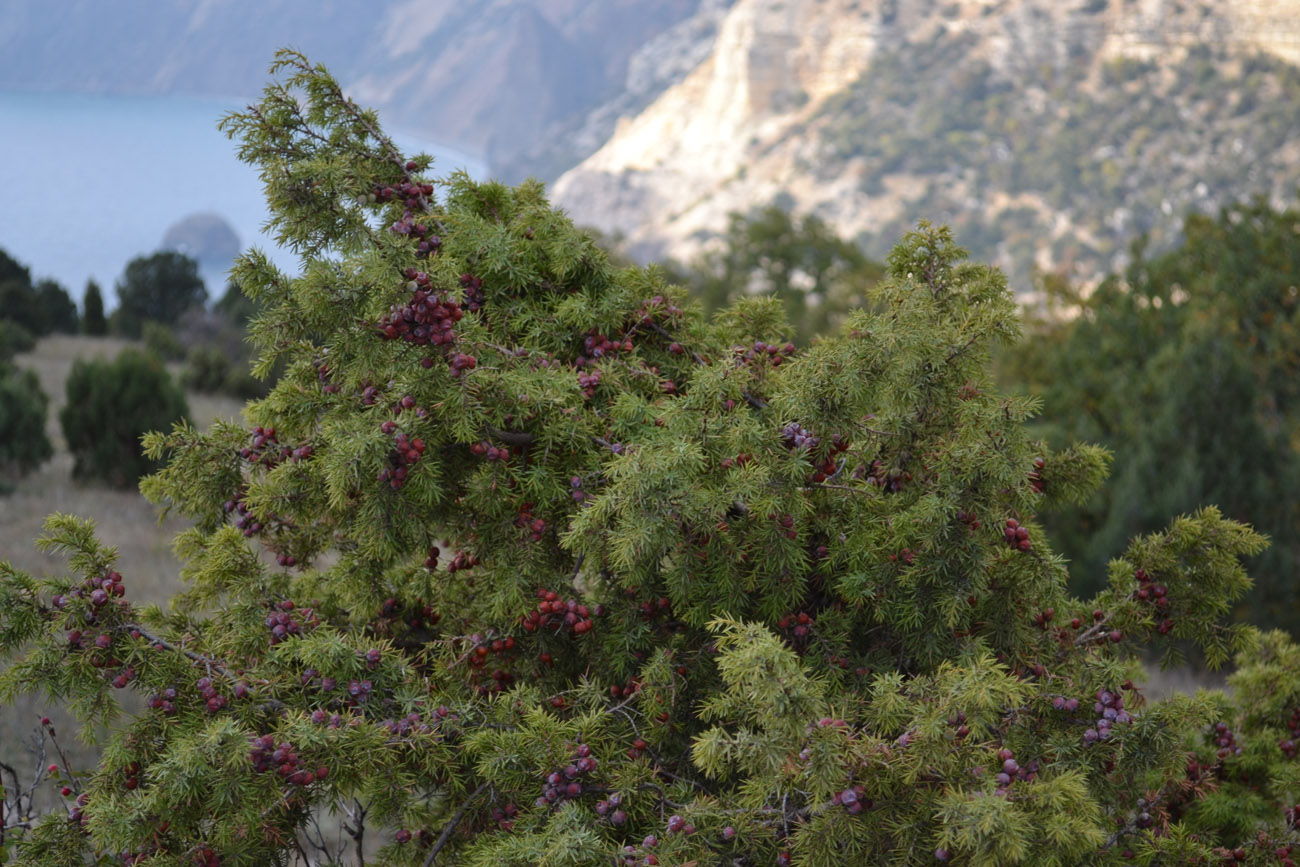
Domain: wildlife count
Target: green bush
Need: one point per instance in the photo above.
(14, 339)
(111, 405)
(23, 442)
(162, 341)
(205, 370)
(156, 288)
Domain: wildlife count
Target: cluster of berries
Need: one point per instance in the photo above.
(786, 523)
(407, 192)
(427, 242)
(1226, 740)
(285, 621)
(428, 319)
(406, 453)
(739, 460)
(359, 691)
(906, 556)
(655, 608)
(462, 560)
(99, 589)
(797, 438)
(213, 700)
(553, 614)
(1010, 770)
(123, 677)
(485, 449)
(164, 701)
(1044, 617)
(634, 857)
(267, 450)
(888, 479)
(505, 816)
(1036, 475)
(504, 650)
(578, 494)
(958, 723)
(323, 374)
(775, 354)
(1288, 745)
(828, 468)
(678, 825)
(1069, 705)
(1231, 856)
(657, 309)
(77, 640)
(631, 688)
(244, 520)
(535, 526)
(1109, 708)
(799, 624)
(1016, 536)
(587, 382)
(596, 345)
(611, 808)
(968, 518)
(266, 755)
(411, 724)
(852, 799)
(1155, 595)
(566, 784)
(473, 287)
(460, 362)
(418, 614)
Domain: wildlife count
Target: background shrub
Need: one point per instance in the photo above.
(110, 406)
(23, 443)
(14, 339)
(162, 342)
(158, 288)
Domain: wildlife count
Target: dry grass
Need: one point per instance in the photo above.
(124, 519)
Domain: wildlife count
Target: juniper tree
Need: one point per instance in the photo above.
(524, 561)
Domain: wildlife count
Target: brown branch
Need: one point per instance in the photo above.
(451, 826)
(206, 661)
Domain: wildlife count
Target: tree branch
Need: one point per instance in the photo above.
(451, 826)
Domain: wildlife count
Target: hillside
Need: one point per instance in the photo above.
(1048, 133)
(496, 78)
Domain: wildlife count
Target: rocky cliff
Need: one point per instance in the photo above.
(1048, 132)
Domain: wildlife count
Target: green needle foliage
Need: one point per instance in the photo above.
(524, 561)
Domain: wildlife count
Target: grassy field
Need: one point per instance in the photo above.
(124, 519)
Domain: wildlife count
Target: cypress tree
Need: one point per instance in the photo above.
(525, 561)
(92, 317)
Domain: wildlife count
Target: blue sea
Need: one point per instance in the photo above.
(90, 181)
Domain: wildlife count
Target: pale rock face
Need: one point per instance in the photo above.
(742, 127)
(774, 61)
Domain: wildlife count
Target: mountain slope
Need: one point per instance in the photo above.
(496, 78)
(1049, 133)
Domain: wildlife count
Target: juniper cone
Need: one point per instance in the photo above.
(524, 562)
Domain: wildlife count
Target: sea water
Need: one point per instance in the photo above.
(90, 181)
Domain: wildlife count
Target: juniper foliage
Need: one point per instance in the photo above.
(524, 561)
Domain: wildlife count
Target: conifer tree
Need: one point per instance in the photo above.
(524, 561)
(92, 317)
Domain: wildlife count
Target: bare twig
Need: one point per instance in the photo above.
(451, 826)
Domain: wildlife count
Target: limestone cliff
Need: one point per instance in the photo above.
(1049, 132)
